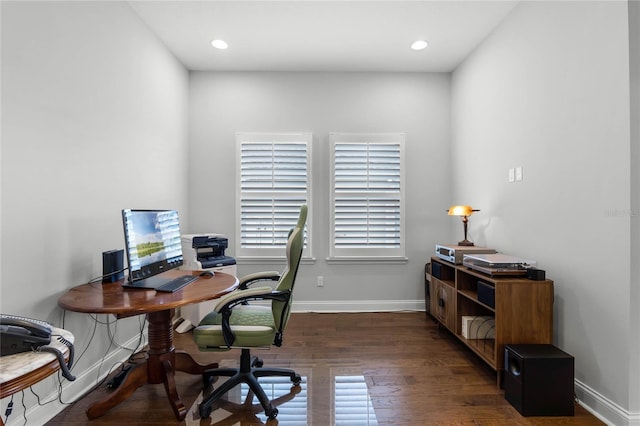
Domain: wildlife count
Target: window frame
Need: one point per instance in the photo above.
(274, 253)
(367, 254)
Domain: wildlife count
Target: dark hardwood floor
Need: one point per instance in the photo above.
(357, 368)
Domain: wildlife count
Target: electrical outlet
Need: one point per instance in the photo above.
(320, 282)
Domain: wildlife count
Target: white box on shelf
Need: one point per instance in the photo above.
(479, 327)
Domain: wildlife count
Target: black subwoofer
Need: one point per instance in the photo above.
(538, 380)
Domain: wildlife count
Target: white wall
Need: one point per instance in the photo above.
(222, 104)
(549, 91)
(94, 119)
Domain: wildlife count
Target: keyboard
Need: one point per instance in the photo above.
(177, 283)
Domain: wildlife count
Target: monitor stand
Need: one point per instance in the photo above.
(150, 283)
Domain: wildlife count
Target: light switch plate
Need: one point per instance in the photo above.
(519, 173)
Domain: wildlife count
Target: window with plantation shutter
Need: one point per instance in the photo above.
(274, 181)
(367, 216)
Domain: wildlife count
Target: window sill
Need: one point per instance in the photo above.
(368, 259)
(275, 260)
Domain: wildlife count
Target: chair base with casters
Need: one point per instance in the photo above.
(249, 372)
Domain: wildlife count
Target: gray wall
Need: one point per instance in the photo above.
(549, 91)
(94, 119)
(634, 299)
(418, 104)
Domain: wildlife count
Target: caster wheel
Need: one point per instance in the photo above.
(204, 410)
(272, 414)
(296, 379)
(257, 363)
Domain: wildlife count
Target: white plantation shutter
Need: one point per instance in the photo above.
(367, 195)
(274, 171)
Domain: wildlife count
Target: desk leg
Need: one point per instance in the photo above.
(186, 364)
(162, 359)
(177, 405)
(160, 366)
(157, 368)
(134, 378)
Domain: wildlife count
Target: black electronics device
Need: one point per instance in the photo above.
(436, 270)
(487, 294)
(538, 380)
(112, 266)
(536, 274)
(205, 251)
(210, 251)
(443, 274)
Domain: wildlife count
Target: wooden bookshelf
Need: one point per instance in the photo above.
(521, 310)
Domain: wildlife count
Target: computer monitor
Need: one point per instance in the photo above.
(152, 242)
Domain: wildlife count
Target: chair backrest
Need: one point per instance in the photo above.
(295, 244)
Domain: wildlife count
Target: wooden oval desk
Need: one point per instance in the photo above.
(162, 359)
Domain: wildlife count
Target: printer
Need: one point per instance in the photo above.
(205, 251)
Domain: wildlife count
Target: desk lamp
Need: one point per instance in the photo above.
(465, 212)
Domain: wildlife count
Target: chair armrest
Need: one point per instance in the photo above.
(241, 295)
(250, 279)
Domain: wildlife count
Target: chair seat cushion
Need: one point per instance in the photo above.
(252, 325)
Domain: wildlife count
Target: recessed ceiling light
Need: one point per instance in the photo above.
(419, 45)
(219, 44)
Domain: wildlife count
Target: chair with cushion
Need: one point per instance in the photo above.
(236, 323)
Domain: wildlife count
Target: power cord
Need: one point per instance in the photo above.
(24, 408)
(8, 411)
(99, 278)
(63, 366)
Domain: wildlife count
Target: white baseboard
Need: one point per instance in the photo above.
(357, 306)
(72, 391)
(603, 408)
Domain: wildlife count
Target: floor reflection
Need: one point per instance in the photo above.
(351, 403)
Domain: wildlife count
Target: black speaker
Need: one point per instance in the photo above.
(112, 266)
(535, 274)
(538, 380)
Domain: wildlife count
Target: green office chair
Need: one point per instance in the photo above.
(235, 323)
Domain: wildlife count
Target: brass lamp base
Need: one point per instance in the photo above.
(465, 243)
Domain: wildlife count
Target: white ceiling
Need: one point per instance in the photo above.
(329, 35)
